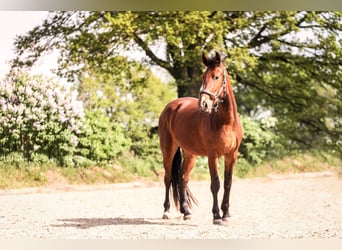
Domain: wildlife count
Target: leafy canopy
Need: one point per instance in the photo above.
(288, 63)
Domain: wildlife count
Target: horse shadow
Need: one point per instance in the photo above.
(85, 223)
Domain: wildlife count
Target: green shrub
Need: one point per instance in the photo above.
(39, 116)
(100, 139)
(242, 168)
(259, 140)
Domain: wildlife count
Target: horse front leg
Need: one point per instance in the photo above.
(214, 187)
(229, 163)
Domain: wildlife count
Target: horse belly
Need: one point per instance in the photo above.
(199, 141)
(191, 145)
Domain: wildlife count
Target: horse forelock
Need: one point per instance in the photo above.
(213, 63)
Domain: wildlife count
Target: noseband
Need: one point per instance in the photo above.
(216, 96)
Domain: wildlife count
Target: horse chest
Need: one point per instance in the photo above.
(224, 141)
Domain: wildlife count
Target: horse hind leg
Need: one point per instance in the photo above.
(186, 196)
(166, 213)
(177, 177)
(170, 157)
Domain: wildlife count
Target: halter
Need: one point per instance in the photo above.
(216, 96)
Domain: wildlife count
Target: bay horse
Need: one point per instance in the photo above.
(207, 126)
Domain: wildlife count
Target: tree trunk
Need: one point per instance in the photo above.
(188, 80)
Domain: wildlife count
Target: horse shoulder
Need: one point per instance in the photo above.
(230, 139)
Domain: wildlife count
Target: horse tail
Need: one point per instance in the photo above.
(176, 181)
(175, 176)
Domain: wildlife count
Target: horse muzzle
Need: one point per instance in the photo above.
(205, 105)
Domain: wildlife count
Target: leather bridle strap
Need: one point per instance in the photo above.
(216, 96)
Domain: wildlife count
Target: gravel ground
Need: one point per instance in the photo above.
(295, 206)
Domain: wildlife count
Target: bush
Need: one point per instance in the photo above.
(39, 116)
(100, 139)
(242, 167)
(145, 145)
(259, 140)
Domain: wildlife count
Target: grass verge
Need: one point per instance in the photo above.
(17, 173)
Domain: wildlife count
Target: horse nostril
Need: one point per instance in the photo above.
(204, 105)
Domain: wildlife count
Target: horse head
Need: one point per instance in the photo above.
(214, 81)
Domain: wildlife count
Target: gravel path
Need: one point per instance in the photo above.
(298, 206)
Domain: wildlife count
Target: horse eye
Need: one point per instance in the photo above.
(217, 77)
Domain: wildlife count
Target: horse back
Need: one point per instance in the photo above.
(178, 111)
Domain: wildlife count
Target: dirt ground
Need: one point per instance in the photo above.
(294, 206)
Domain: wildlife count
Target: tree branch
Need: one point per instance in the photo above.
(267, 92)
(150, 54)
(258, 39)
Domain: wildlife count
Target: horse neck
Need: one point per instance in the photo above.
(228, 110)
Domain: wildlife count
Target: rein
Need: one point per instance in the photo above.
(216, 96)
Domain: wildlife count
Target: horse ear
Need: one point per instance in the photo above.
(217, 56)
(205, 59)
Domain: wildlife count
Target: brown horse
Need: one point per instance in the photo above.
(208, 126)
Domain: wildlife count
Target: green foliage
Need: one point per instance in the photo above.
(243, 167)
(260, 143)
(44, 121)
(298, 162)
(283, 63)
(143, 112)
(133, 109)
(259, 140)
(287, 62)
(16, 171)
(38, 117)
(100, 139)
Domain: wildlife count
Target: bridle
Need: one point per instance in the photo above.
(216, 96)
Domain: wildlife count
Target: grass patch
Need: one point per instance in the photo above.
(29, 176)
(50, 175)
(111, 173)
(297, 163)
(15, 172)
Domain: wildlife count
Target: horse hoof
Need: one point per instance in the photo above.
(217, 221)
(166, 215)
(225, 218)
(220, 222)
(187, 217)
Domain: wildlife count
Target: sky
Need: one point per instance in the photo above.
(13, 23)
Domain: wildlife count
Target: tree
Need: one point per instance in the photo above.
(285, 62)
(132, 104)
